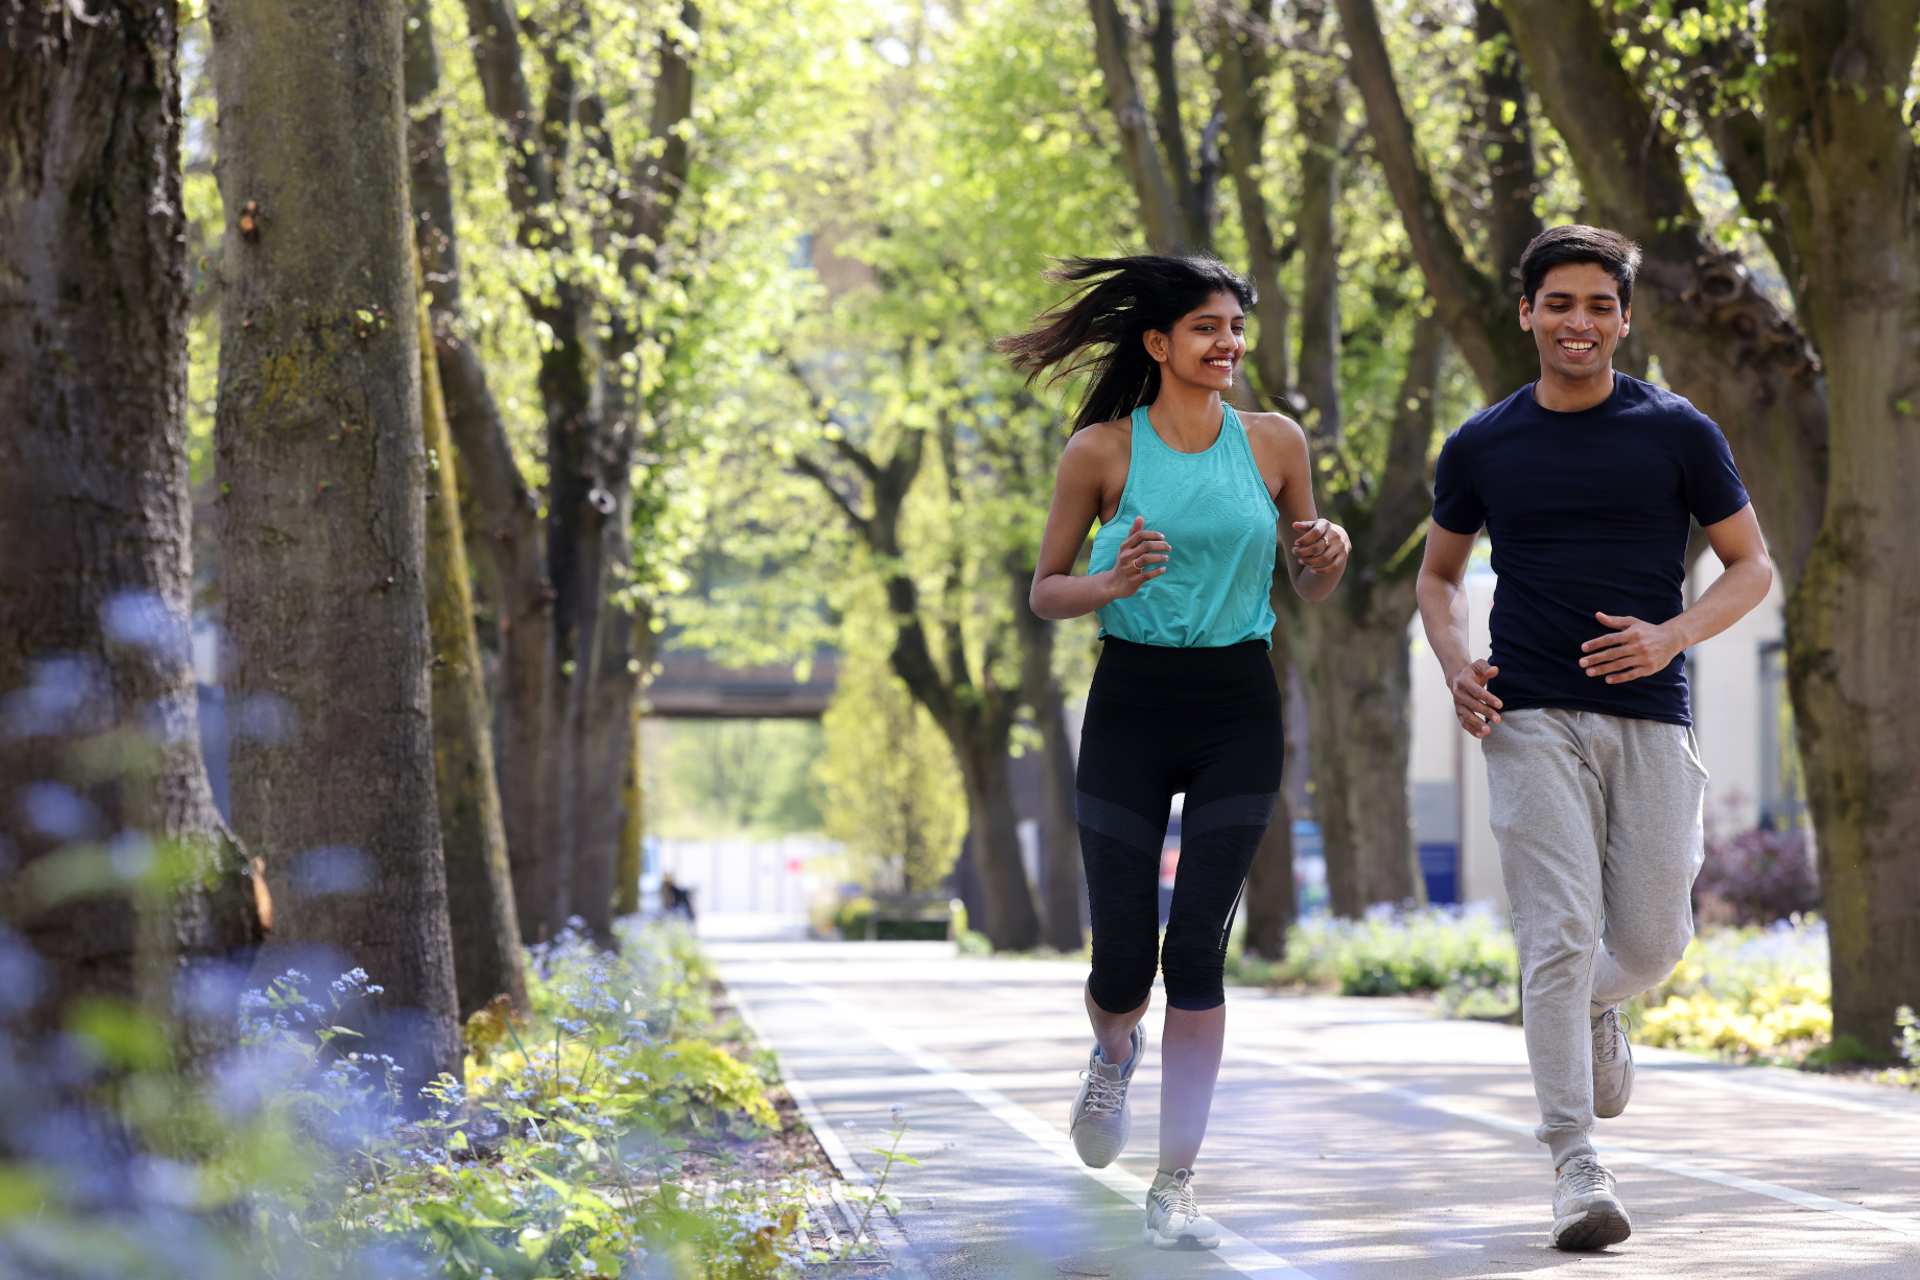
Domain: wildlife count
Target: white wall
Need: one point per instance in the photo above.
(1728, 711)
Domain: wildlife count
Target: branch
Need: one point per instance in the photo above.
(488, 468)
(1173, 140)
(1159, 210)
(1477, 313)
(1512, 181)
(1721, 342)
(1320, 117)
(860, 524)
(660, 182)
(1737, 133)
(1405, 495)
(497, 59)
(1241, 73)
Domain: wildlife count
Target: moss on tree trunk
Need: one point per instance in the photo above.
(95, 575)
(321, 463)
(487, 958)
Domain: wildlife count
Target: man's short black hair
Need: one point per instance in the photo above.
(1576, 242)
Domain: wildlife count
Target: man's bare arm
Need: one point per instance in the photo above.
(1442, 593)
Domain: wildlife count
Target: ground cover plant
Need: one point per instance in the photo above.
(1753, 993)
(593, 1137)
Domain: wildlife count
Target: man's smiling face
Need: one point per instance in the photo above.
(1576, 320)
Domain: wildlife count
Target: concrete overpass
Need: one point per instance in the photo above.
(691, 685)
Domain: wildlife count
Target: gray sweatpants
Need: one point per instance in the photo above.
(1598, 822)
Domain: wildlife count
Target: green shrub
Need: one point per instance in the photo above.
(559, 1157)
(1392, 952)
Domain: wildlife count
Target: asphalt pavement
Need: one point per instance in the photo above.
(1351, 1139)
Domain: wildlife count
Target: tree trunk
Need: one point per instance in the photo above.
(1357, 701)
(321, 466)
(95, 579)
(1846, 165)
(513, 574)
(1721, 342)
(1062, 878)
(630, 857)
(1011, 923)
(487, 959)
(608, 756)
(1271, 902)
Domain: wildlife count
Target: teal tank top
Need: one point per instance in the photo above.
(1222, 526)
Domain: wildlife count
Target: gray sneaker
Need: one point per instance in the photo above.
(1174, 1218)
(1100, 1121)
(1587, 1213)
(1612, 1064)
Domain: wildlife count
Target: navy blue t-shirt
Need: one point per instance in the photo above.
(1587, 512)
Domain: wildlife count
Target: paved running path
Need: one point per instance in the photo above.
(1351, 1139)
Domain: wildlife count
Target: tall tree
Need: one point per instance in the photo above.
(487, 957)
(322, 471)
(592, 206)
(1817, 402)
(965, 697)
(1159, 163)
(95, 600)
(514, 570)
(1352, 649)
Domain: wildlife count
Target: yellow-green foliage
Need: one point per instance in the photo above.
(1756, 992)
(893, 794)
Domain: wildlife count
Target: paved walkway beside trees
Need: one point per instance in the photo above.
(1352, 1139)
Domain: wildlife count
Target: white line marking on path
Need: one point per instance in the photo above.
(1618, 1155)
(824, 1133)
(1235, 1250)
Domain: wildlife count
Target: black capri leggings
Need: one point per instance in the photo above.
(1159, 721)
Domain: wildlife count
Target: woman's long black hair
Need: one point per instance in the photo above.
(1098, 328)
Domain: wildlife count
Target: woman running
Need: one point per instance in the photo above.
(1189, 495)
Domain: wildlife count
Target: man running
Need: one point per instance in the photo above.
(1585, 481)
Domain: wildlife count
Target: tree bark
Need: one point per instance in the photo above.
(322, 473)
(1062, 877)
(607, 758)
(1357, 710)
(1271, 900)
(630, 856)
(95, 579)
(1011, 923)
(1843, 159)
(487, 959)
(513, 574)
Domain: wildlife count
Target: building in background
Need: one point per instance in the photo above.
(1738, 687)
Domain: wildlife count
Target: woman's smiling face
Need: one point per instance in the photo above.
(1206, 345)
